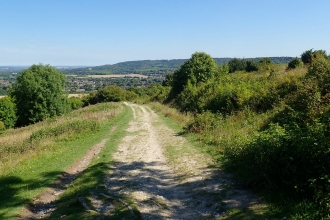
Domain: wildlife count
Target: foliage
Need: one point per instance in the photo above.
(107, 94)
(7, 112)
(236, 65)
(268, 126)
(75, 103)
(251, 66)
(309, 56)
(294, 63)
(299, 140)
(38, 94)
(198, 69)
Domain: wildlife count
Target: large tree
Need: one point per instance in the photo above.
(38, 94)
(199, 68)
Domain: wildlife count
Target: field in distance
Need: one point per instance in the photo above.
(113, 76)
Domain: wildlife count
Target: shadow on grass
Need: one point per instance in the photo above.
(13, 192)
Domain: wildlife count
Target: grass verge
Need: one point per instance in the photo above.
(32, 166)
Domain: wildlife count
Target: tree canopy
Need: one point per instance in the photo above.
(38, 94)
(199, 68)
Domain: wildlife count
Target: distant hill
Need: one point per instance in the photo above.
(150, 67)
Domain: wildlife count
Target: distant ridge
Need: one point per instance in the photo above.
(150, 67)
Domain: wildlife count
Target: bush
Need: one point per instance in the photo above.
(294, 63)
(7, 113)
(75, 103)
(236, 65)
(251, 66)
(111, 93)
(309, 56)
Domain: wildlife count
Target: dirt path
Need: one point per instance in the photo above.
(186, 188)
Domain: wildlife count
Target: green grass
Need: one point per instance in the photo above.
(93, 178)
(31, 171)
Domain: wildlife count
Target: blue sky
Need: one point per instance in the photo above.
(98, 32)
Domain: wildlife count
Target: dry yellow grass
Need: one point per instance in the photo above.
(2, 96)
(77, 95)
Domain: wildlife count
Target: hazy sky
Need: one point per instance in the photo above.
(98, 32)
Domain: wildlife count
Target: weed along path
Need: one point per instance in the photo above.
(166, 178)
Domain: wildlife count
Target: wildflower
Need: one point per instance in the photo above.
(295, 187)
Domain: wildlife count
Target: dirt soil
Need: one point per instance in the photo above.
(188, 186)
(185, 188)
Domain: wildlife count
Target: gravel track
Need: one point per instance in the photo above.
(186, 189)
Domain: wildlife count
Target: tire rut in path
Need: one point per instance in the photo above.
(142, 173)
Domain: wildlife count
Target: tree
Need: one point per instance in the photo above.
(199, 68)
(309, 56)
(38, 94)
(236, 65)
(294, 63)
(7, 113)
(251, 66)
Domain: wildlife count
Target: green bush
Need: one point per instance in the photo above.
(251, 66)
(198, 69)
(75, 103)
(309, 56)
(236, 65)
(294, 63)
(7, 112)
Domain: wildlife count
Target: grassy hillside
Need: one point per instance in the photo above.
(32, 157)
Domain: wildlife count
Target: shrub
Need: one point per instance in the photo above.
(309, 56)
(294, 63)
(7, 112)
(111, 93)
(236, 65)
(251, 66)
(75, 103)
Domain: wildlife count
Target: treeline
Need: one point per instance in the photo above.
(149, 67)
